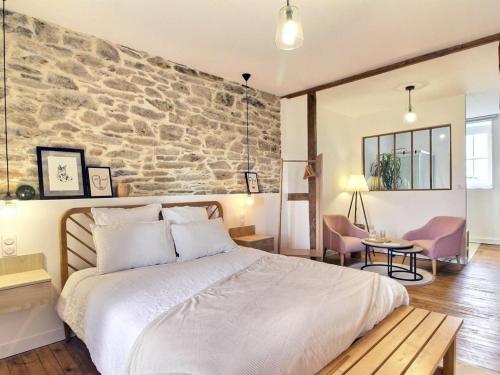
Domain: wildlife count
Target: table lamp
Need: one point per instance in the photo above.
(357, 184)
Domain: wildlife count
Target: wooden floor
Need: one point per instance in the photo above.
(472, 293)
(55, 359)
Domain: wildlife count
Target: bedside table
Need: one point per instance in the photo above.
(23, 283)
(245, 236)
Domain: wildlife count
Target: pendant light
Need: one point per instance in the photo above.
(289, 34)
(249, 199)
(410, 116)
(8, 205)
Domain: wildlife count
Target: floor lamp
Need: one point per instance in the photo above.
(357, 184)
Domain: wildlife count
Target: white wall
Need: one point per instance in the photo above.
(37, 228)
(339, 139)
(337, 143)
(483, 205)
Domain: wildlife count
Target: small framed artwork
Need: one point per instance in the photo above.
(99, 182)
(252, 182)
(60, 172)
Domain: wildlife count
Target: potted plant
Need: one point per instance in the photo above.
(385, 172)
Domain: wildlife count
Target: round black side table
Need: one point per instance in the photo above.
(412, 254)
(394, 244)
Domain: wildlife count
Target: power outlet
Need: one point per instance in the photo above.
(9, 245)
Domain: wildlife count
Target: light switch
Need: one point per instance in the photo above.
(9, 245)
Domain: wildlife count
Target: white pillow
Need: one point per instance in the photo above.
(107, 216)
(132, 245)
(184, 214)
(201, 238)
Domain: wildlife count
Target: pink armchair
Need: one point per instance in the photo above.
(442, 236)
(340, 235)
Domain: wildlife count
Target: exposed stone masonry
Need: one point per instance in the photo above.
(161, 126)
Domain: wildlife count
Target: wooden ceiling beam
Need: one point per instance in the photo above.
(398, 65)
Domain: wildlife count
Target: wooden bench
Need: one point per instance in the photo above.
(409, 341)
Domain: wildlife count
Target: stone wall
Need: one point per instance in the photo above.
(161, 126)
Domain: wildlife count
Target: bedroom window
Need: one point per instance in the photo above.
(478, 150)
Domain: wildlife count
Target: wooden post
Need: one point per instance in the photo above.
(311, 155)
(450, 359)
(281, 206)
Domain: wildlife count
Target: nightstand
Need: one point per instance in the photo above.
(23, 283)
(245, 236)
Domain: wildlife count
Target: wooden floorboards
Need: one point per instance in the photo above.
(472, 294)
(56, 359)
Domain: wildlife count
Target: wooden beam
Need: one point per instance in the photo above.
(298, 196)
(311, 155)
(398, 65)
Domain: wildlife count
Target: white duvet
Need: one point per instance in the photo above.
(242, 312)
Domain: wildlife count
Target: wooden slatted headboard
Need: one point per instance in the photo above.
(77, 245)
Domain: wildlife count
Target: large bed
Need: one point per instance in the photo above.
(239, 312)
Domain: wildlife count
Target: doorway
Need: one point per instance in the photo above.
(482, 161)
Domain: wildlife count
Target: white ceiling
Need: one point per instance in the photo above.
(482, 104)
(468, 72)
(229, 37)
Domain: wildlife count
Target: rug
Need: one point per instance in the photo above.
(465, 369)
(382, 270)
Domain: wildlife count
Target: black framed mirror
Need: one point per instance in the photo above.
(416, 159)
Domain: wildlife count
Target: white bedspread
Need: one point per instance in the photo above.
(242, 312)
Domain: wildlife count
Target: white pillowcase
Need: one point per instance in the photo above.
(201, 238)
(132, 245)
(184, 214)
(118, 215)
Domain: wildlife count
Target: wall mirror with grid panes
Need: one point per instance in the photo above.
(416, 159)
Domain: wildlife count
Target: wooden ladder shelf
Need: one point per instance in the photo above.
(312, 197)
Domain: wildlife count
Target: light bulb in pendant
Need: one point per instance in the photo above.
(249, 200)
(289, 33)
(411, 115)
(8, 207)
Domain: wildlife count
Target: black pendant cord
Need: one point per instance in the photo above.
(248, 142)
(246, 77)
(409, 89)
(5, 100)
(409, 100)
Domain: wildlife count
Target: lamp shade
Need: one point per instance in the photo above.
(357, 182)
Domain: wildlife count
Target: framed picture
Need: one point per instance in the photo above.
(60, 172)
(252, 182)
(99, 182)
